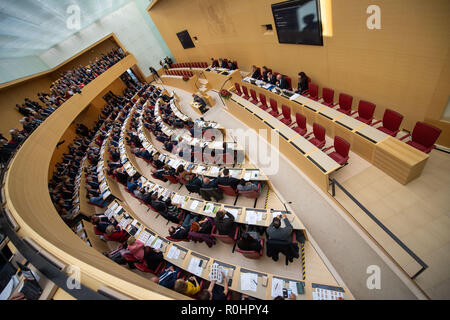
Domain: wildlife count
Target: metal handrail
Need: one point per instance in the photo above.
(334, 183)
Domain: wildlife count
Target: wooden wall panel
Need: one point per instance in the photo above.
(397, 67)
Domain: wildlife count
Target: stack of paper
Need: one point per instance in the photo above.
(234, 212)
(143, 236)
(173, 253)
(249, 281)
(194, 205)
(195, 267)
(251, 217)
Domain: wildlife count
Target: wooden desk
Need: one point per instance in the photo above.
(216, 80)
(178, 82)
(364, 139)
(399, 160)
(296, 148)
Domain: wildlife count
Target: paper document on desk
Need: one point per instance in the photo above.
(173, 253)
(157, 244)
(143, 236)
(233, 211)
(150, 240)
(235, 173)
(214, 170)
(276, 214)
(294, 96)
(247, 176)
(249, 281)
(277, 287)
(194, 205)
(255, 174)
(251, 217)
(194, 266)
(293, 287)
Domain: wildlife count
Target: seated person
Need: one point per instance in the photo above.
(156, 162)
(153, 257)
(133, 184)
(225, 225)
(222, 63)
(281, 82)
(205, 226)
(188, 287)
(168, 145)
(184, 174)
(227, 180)
(302, 83)
(231, 65)
(209, 183)
(249, 242)
(181, 232)
(201, 103)
(256, 73)
(271, 78)
(168, 277)
(264, 74)
(160, 173)
(214, 63)
(247, 185)
(157, 203)
(135, 247)
(115, 233)
(276, 232)
(214, 291)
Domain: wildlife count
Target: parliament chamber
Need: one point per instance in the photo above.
(226, 150)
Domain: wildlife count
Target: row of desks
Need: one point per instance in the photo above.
(249, 174)
(311, 160)
(177, 81)
(402, 162)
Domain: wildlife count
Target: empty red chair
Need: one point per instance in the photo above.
(286, 115)
(391, 122)
(254, 99)
(342, 148)
(328, 97)
(274, 106)
(238, 89)
(319, 135)
(423, 137)
(245, 91)
(313, 92)
(172, 179)
(262, 99)
(345, 103)
(252, 254)
(224, 237)
(228, 190)
(301, 124)
(365, 111)
(288, 81)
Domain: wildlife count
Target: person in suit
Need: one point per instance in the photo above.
(256, 73)
(264, 74)
(231, 65)
(276, 232)
(271, 78)
(214, 63)
(226, 180)
(249, 242)
(152, 257)
(302, 83)
(281, 82)
(225, 225)
(222, 63)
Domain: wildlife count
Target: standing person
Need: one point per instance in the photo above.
(154, 72)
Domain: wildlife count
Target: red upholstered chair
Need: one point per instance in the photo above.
(97, 232)
(226, 61)
(172, 179)
(236, 64)
(245, 91)
(342, 148)
(289, 80)
(254, 99)
(391, 122)
(238, 89)
(365, 111)
(252, 194)
(313, 92)
(224, 237)
(286, 115)
(319, 135)
(228, 190)
(301, 124)
(176, 240)
(274, 107)
(262, 99)
(328, 97)
(251, 254)
(423, 137)
(345, 103)
(142, 266)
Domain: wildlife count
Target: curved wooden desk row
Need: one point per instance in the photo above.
(306, 156)
(399, 160)
(243, 215)
(204, 169)
(217, 146)
(177, 81)
(266, 286)
(29, 202)
(219, 77)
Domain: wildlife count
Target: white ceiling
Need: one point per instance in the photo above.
(30, 27)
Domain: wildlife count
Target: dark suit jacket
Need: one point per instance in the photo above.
(226, 225)
(228, 181)
(273, 79)
(302, 85)
(215, 64)
(224, 65)
(256, 74)
(283, 84)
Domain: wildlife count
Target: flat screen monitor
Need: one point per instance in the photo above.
(298, 22)
(185, 39)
